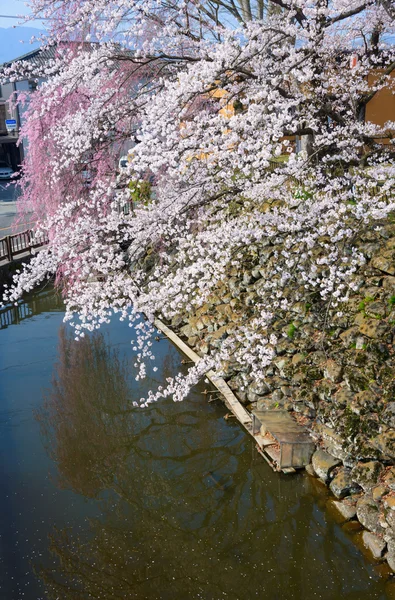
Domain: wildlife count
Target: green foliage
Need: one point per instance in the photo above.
(291, 331)
(140, 191)
(391, 301)
(283, 158)
(363, 303)
(302, 194)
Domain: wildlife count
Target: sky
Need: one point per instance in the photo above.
(13, 31)
(13, 8)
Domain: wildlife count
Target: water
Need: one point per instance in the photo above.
(102, 501)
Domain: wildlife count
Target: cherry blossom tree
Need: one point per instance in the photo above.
(219, 109)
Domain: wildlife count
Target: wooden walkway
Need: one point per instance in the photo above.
(282, 442)
(279, 438)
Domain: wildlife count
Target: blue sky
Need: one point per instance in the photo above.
(13, 8)
(13, 32)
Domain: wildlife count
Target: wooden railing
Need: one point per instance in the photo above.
(13, 246)
(47, 301)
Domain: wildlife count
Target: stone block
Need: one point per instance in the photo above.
(373, 328)
(378, 492)
(349, 336)
(310, 470)
(389, 479)
(259, 387)
(297, 359)
(384, 262)
(385, 443)
(188, 331)
(343, 397)
(323, 464)
(374, 544)
(376, 309)
(366, 474)
(333, 371)
(342, 484)
(368, 514)
(390, 558)
(347, 511)
(389, 502)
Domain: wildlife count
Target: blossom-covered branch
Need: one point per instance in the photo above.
(254, 136)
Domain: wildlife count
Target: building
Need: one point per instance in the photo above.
(10, 152)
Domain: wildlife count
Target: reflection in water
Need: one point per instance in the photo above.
(86, 415)
(187, 511)
(33, 304)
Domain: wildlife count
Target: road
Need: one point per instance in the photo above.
(8, 210)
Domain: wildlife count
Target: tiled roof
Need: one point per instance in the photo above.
(37, 58)
(40, 57)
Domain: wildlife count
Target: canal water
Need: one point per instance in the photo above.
(100, 500)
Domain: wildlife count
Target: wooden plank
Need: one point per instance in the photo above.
(281, 423)
(286, 455)
(296, 446)
(287, 429)
(274, 455)
(230, 399)
(263, 441)
(266, 457)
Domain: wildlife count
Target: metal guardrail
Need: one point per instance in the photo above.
(13, 246)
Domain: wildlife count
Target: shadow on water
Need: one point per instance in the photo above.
(176, 504)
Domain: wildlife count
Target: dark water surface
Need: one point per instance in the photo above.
(99, 500)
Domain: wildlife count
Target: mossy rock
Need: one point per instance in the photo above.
(376, 310)
(366, 474)
(385, 443)
(378, 351)
(364, 402)
(355, 379)
(368, 514)
(343, 397)
(343, 485)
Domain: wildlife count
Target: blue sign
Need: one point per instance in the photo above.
(10, 125)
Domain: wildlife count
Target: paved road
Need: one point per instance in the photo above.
(8, 210)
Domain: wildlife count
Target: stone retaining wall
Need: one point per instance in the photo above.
(334, 372)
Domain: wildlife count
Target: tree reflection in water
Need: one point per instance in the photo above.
(133, 462)
(185, 511)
